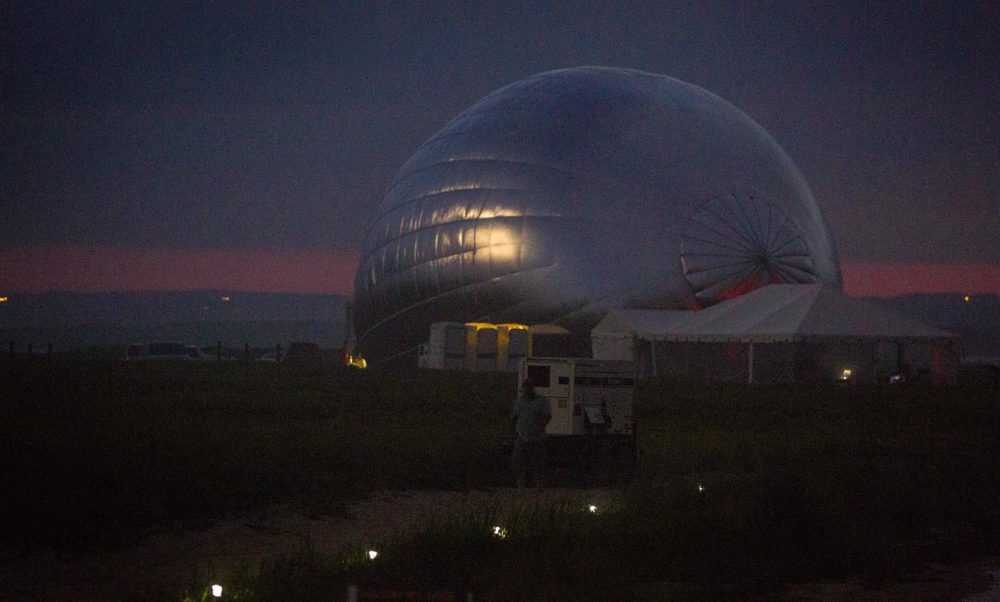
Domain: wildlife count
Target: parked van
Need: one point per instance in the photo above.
(162, 351)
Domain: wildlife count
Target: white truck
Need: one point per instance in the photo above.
(593, 424)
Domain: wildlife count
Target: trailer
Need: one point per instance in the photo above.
(446, 347)
(475, 346)
(593, 425)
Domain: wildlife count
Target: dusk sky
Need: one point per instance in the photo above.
(219, 145)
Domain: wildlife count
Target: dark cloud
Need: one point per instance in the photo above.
(222, 125)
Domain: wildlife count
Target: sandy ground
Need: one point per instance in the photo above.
(163, 565)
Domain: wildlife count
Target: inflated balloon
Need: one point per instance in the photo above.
(574, 191)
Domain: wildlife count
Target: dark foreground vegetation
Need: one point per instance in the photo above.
(740, 490)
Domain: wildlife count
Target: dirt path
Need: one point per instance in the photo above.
(162, 566)
(167, 563)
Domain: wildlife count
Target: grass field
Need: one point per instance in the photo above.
(740, 490)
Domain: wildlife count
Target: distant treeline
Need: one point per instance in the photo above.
(975, 319)
(136, 309)
(231, 334)
(77, 320)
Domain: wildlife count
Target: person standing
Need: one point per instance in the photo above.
(532, 414)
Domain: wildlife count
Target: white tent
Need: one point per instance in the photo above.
(806, 327)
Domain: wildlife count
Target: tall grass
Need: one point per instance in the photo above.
(94, 453)
(739, 489)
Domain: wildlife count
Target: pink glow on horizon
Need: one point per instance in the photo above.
(38, 269)
(885, 279)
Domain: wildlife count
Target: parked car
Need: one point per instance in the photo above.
(298, 352)
(162, 351)
(271, 357)
(301, 352)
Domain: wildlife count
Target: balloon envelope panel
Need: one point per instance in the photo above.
(574, 191)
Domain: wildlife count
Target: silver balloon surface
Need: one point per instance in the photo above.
(574, 191)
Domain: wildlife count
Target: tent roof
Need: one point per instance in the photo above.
(778, 312)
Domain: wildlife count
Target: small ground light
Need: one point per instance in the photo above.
(701, 488)
(499, 532)
(965, 298)
(372, 554)
(592, 508)
(225, 297)
(217, 591)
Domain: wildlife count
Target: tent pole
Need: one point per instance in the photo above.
(750, 362)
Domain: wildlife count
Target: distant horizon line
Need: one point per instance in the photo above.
(34, 269)
(214, 292)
